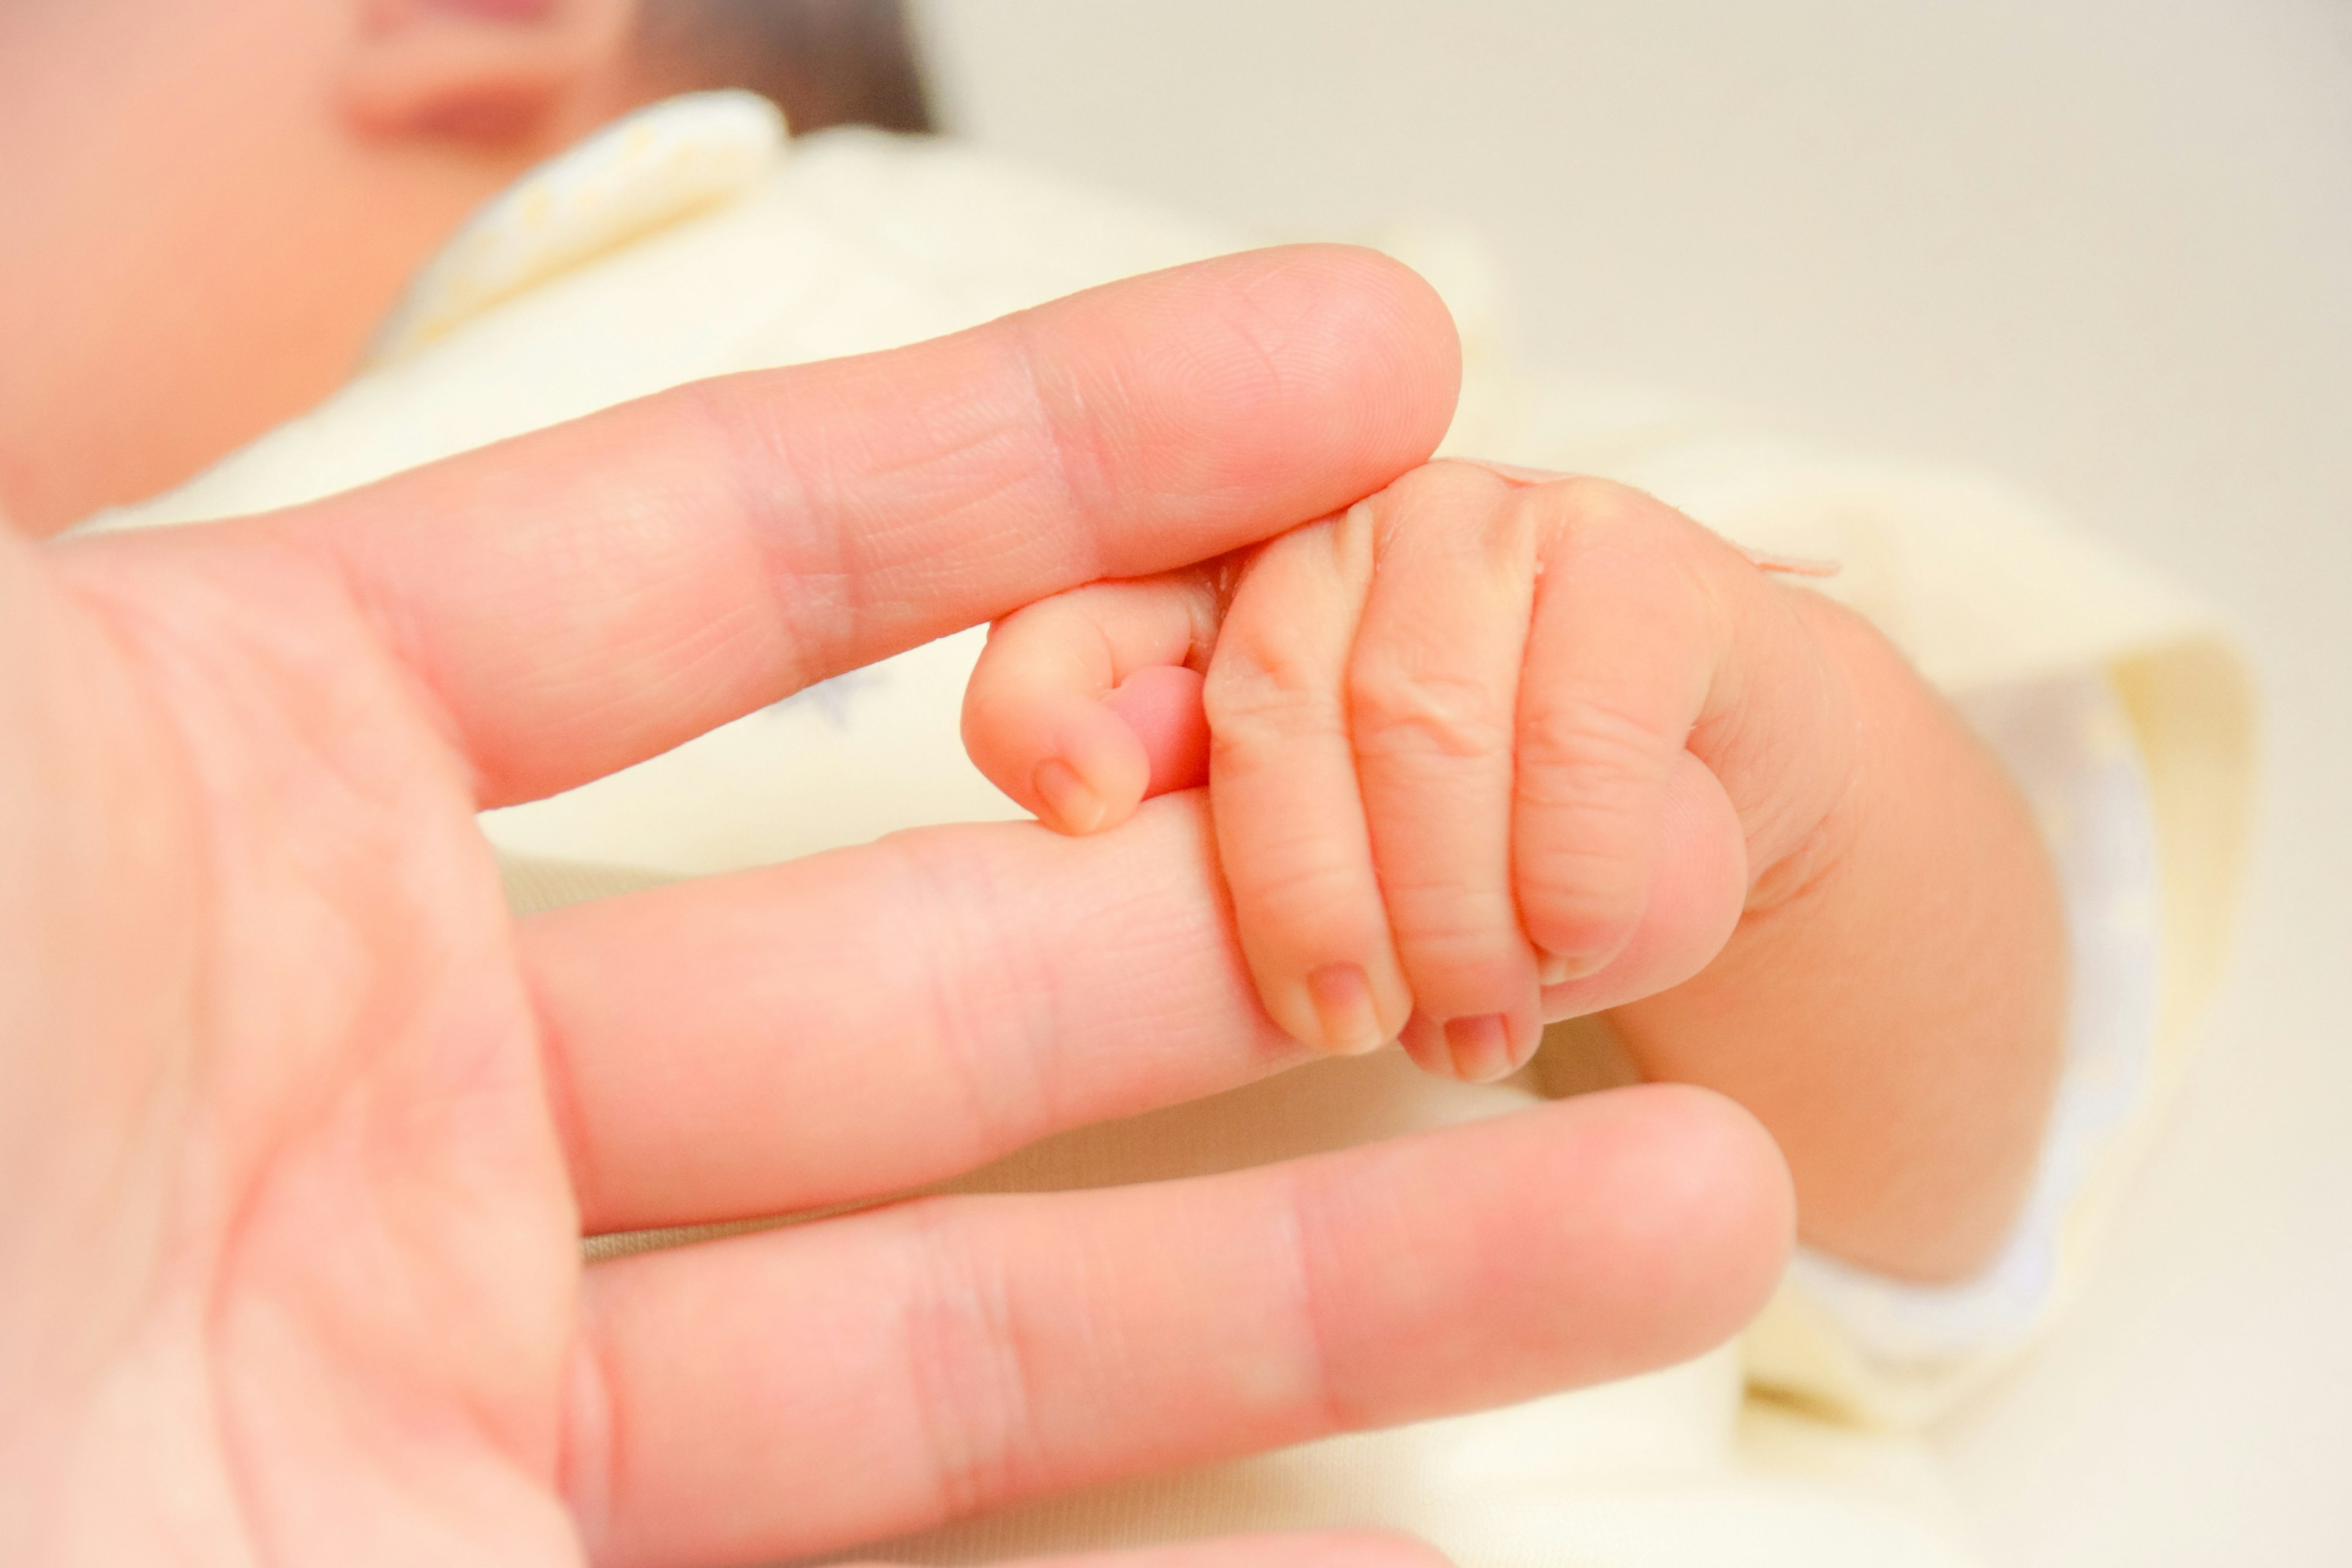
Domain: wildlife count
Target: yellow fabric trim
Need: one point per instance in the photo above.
(638, 175)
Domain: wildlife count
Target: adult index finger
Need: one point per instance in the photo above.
(593, 595)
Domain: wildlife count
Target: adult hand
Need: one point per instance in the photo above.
(299, 1130)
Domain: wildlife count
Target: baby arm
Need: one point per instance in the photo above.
(1487, 750)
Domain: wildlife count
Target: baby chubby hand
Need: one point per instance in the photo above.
(1489, 748)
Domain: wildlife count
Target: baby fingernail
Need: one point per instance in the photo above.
(1074, 804)
(1343, 1006)
(1481, 1048)
(1551, 969)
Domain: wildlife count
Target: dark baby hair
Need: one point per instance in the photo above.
(825, 62)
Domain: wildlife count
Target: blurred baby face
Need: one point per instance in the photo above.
(201, 231)
(152, 287)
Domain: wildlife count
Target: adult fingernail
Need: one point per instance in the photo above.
(1072, 802)
(1553, 969)
(1343, 1006)
(1481, 1048)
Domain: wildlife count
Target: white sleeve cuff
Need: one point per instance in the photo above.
(2068, 744)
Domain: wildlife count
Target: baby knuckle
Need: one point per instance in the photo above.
(1255, 722)
(1446, 506)
(1593, 505)
(1574, 750)
(1266, 683)
(1593, 521)
(1397, 712)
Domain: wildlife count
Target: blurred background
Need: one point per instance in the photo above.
(2102, 248)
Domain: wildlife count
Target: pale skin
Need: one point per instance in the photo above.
(1493, 749)
(229, 195)
(300, 1128)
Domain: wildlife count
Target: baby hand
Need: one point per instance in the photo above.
(1489, 749)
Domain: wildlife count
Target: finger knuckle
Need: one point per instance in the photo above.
(972, 1383)
(1575, 746)
(1587, 523)
(1267, 680)
(1448, 509)
(1398, 711)
(1592, 501)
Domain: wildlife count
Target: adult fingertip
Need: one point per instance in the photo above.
(1421, 368)
(1378, 301)
(1707, 1192)
(1370, 343)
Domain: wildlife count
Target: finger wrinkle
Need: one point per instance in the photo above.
(1315, 900)
(1248, 331)
(1399, 713)
(323, 555)
(1591, 743)
(806, 575)
(1061, 419)
(1254, 710)
(1267, 663)
(1584, 904)
(971, 1372)
(976, 997)
(1308, 1233)
(838, 575)
(1462, 938)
